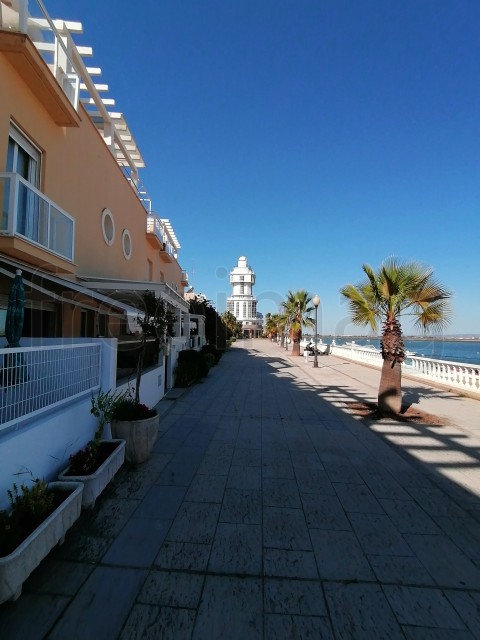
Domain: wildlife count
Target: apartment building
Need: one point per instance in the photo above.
(76, 219)
(75, 216)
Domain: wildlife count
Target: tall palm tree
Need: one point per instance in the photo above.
(397, 289)
(296, 312)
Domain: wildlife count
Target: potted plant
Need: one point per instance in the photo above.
(131, 419)
(38, 519)
(97, 463)
(138, 425)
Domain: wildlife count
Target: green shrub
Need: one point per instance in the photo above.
(211, 348)
(30, 506)
(191, 356)
(207, 361)
(185, 374)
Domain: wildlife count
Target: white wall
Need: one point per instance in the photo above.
(43, 444)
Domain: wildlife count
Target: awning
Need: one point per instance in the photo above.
(133, 288)
(66, 291)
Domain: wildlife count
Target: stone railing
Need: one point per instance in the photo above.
(358, 354)
(455, 375)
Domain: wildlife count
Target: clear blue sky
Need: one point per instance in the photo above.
(309, 136)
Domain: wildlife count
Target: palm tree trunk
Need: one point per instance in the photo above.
(296, 336)
(296, 348)
(390, 389)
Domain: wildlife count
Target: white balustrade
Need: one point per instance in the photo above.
(456, 375)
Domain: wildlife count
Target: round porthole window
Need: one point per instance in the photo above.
(126, 244)
(108, 227)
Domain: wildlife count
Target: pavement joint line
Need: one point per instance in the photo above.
(285, 402)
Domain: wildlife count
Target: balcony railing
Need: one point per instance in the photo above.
(37, 379)
(31, 17)
(156, 227)
(29, 214)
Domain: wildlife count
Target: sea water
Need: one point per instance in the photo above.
(466, 351)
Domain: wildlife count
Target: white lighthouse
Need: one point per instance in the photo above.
(242, 303)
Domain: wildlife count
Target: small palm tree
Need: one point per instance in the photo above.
(397, 289)
(296, 316)
(273, 325)
(154, 323)
(233, 326)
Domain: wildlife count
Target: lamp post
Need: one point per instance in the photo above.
(316, 302)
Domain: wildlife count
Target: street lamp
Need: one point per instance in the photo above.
(316, 302)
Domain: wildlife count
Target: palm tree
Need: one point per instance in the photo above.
(229, 320)
(397, 289)
(296, 316)
(273, 325)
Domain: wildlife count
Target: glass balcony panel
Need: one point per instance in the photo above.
(33, 216)
(61, 233)
(5, 199)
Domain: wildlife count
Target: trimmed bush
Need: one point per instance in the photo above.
(211, 348)
(207, 361)
(185, 375)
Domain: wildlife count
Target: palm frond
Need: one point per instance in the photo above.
(398, 287)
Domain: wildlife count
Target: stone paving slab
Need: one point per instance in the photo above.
(268, 511)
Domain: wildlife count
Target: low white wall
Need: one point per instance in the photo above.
(151, 385)
(42, 445)
(176, 345)
(457, 376)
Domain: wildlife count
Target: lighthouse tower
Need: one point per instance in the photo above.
(242, 303)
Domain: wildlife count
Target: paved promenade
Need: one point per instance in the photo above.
(269, 511)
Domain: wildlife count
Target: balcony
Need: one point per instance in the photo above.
(184, 278)
(155, 233)
(30, 41)
(27, 214)
(158, 238)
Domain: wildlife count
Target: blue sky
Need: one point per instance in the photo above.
(309, 136)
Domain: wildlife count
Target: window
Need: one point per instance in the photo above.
(87, 323)
(242, 278)
(149, 270)
(237, 309)
(244, 309)
(102, 325)
(108, 227)
(127, 244)
(24, 158)
(242, 288)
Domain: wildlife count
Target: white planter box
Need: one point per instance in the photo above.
(94, 484)
(18, 565)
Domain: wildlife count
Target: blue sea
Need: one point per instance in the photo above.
(466, 351)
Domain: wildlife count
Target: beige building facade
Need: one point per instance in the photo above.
(75, 216)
